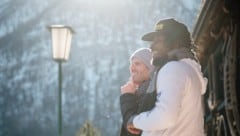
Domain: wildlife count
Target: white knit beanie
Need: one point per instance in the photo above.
(145, 55)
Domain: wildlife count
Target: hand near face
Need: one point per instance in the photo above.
(129, 87)
(132, 129)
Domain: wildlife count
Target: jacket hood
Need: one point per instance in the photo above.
(189, 57)
(203, 80)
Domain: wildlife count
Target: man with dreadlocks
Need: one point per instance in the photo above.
(179, 85)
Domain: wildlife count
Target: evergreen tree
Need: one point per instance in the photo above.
(88, 130)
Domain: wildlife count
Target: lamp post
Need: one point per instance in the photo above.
(61, 42)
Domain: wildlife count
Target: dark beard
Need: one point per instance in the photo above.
(160, 61)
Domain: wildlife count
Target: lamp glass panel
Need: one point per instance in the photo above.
(61, 41)
(68, 43)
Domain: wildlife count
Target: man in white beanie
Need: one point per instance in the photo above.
(133, 93)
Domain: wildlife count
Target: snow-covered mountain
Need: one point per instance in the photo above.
(107, 32)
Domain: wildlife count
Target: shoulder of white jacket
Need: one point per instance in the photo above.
(175, 65)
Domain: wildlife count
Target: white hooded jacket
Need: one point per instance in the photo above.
(178, 110)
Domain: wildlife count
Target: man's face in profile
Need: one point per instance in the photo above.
(139, 71)
(159, 47)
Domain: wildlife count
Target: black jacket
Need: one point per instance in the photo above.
(132, 104)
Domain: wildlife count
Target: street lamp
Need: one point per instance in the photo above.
(61, 42)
